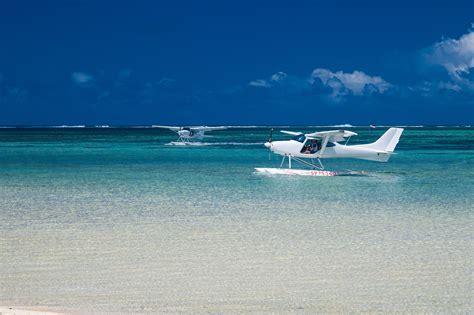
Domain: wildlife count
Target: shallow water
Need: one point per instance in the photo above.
(117, 220)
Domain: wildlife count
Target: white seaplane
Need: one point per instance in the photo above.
(324, 145)
(187, 135)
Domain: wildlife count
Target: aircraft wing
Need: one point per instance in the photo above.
(332, 135)
(293, 133)
(206, 128)
(173, 128)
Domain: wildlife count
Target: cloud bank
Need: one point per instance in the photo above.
(434, 82)
(446, 69)
(336, 85)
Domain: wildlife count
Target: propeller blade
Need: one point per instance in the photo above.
(271, 134)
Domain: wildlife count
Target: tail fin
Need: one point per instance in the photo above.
(388, 141)
(384, 146)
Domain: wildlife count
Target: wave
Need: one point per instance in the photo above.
(66, 126)
(202, 144)
(407, 126)
(343, 126)
(456, 126)
(244, 126)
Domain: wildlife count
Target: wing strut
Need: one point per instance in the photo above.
(312, 165)
(323, 146)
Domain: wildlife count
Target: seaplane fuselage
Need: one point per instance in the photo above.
(188, 134)
(333, 150)
(325, 145)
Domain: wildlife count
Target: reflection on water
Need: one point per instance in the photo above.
(134, 225)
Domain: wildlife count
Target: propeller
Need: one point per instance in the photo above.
(269, 141)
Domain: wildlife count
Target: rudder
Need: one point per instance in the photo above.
(388, 141)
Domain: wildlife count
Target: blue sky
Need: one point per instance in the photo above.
(236, 62)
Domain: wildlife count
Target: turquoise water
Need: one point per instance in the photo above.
(117, 220)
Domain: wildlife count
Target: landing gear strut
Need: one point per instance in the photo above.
(312, 165)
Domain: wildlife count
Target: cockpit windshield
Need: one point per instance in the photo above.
(299, 138)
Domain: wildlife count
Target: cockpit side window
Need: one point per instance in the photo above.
(299, 138)
(311, 146)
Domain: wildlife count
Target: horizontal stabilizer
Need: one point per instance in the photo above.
(379, 157)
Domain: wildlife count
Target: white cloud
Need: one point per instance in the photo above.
(456, 56)
(81, 78)
(449, 86)
(356, 82)
(260, 83)
(279, 76)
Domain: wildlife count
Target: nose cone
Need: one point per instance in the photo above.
(267, 144)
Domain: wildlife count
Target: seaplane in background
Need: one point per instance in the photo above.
(325, 145)
(186, 135)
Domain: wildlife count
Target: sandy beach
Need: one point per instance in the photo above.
(21, 310)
